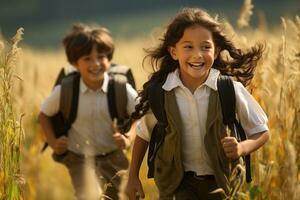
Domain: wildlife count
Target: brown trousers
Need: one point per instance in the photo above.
(197, 188)
(89, 172)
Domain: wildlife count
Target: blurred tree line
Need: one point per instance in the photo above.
(43, 17)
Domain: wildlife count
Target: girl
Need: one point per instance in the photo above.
(189, 61)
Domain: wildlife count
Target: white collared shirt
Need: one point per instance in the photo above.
(193, 110)
(91, 132)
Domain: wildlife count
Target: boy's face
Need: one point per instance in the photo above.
(195, 52)
(92, 67)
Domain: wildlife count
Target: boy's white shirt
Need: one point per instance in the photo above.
(193, 110)
(91, 132)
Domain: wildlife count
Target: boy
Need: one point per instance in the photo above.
(91, 137)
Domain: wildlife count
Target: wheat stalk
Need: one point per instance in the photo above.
(245, 14)
(11, 132)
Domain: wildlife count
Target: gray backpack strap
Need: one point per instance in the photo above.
(62, 121)
(118, 69)
(121, 96)
(69, 97)
(117, 101)
(123, 70)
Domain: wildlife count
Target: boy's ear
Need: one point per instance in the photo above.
(172, 52)
(74, 64)
(217, 52)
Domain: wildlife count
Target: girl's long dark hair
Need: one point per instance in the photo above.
(241, 65)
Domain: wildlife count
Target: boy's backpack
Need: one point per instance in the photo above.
(116, 98)
(228, 102)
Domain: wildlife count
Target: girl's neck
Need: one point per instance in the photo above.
(192, 83)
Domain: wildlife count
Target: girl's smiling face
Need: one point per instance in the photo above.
(195, 52)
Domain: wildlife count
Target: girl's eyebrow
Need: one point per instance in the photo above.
(186, 41)
(205, 41)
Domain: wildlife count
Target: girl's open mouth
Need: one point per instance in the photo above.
(196, 65)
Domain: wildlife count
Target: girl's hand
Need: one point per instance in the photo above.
(134, 189)
(121, 140)
(232, 148)
(60, 145)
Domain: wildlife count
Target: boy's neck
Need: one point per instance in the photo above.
(94, 86)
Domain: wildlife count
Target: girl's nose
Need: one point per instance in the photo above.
(198, 54)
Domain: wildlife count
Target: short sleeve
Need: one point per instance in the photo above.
(51, 104)
(146, 125)
(131, 97)
(252, 117)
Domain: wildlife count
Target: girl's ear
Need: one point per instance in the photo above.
(172, 52)
(217, 52)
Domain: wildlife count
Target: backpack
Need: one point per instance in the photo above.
(119, 75)
(228, 102)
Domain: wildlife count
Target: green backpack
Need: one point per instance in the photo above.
(119, 75)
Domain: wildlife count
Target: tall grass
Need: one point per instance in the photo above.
(276, 86)
(11, 132)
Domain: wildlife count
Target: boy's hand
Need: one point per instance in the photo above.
(121, 140)
(134, 189)
(60, 145)
(232, 148)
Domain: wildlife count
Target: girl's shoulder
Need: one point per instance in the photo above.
(241, 91)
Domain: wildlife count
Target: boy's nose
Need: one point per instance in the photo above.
(97, 63)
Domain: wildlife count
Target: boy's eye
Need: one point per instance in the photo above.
(101, 56)
(86, 58)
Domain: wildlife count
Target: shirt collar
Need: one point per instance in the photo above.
(212, 79)
(84, 88)
(173, 80)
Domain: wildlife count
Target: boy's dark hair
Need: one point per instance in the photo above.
(82, 38)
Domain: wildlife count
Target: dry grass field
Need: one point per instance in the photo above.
(276, 87)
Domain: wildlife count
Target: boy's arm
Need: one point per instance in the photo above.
(124, 141)
(134, 184)
(234, 149)
(59, 145)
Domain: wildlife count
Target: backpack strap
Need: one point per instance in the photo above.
(69, 97)
(62, 74)
(123, 70)
(62, 121)
(117, 102)
(228, 105)
(157, 104)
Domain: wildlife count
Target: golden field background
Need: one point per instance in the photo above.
(276, 87)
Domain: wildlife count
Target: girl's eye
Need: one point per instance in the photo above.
(187, 46)
(206, 47)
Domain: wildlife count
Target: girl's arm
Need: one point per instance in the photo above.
(134, 184)
(234, 149)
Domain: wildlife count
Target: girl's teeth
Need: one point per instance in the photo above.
(196, 65)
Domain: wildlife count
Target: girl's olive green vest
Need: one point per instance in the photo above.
(168, 161)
